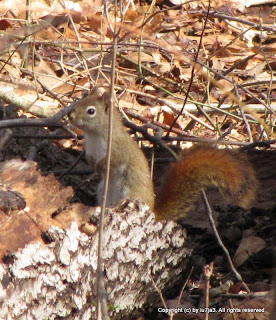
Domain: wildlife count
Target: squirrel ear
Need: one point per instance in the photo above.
(85, 95)
(106, 99)
(102, 94)
(96, 92)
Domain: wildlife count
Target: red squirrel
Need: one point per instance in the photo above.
(200, 167)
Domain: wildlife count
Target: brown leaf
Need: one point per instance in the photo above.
(254, 309)
(43, 197)
(169, 118)
(248, 247)
(4, 24)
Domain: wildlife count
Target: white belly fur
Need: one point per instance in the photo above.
(116, 190)
(95, 147)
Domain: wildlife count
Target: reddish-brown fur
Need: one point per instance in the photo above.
(204, 167)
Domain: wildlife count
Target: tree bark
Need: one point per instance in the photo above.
(47, 281)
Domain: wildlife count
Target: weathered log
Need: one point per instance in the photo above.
(46, 281)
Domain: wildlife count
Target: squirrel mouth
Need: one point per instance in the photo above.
(73, 120)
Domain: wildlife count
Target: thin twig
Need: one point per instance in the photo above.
(207, 272)
(183, 287)
(213, 226)
(102, 311)
(242, 113)
(252, 24)
(159, 291)
(192, 74)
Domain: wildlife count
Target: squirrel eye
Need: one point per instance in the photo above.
(91, 111)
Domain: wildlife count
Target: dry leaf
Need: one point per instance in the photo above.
(248, 247)
(244, 310)
(43, 196)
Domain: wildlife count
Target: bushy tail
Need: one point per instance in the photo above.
(204, 167)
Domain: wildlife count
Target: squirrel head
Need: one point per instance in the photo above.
(91, 112)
